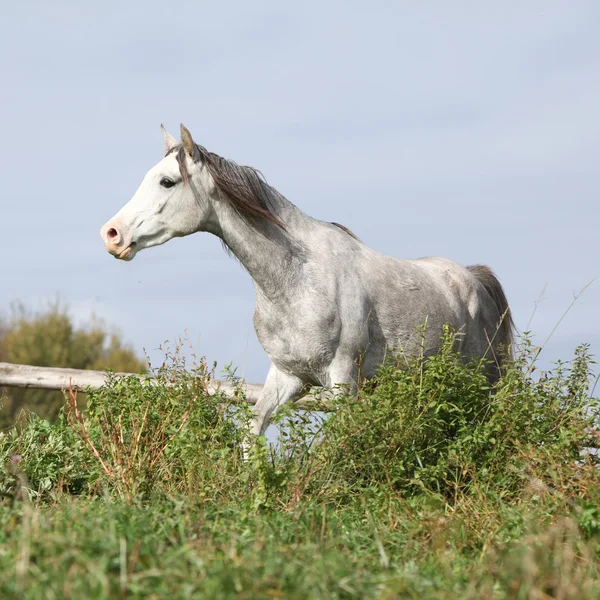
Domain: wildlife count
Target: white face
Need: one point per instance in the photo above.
(162, 208)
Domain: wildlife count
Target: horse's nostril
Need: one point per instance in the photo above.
(112, 234)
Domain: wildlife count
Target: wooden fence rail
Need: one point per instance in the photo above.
(50, 378)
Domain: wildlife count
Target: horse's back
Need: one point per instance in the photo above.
(429, 292)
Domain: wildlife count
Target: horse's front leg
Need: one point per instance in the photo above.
(278, 389)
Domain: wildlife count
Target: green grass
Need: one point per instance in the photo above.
(429, 484)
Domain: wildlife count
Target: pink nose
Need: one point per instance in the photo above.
(115, 238)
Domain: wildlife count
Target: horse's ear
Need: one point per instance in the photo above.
(170, 141)
(187, 141)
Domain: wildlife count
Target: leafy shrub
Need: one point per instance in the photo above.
(43, 457)
(165, 434)
(438, 427)
(50, 339)
(430, 484)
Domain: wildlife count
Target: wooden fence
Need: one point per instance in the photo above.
(49, 378)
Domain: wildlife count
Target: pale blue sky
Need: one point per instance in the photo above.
(468, 130)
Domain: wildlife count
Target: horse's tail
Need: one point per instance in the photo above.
(506, 327)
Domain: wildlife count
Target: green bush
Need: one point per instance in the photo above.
(429, 484)
(50, 339)
(164, 434)
(137, 437)
(40, 458)
(438, 427)
(433, 427)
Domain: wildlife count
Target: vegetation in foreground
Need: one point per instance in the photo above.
(428, 485)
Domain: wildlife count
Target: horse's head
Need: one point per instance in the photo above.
(173, 200)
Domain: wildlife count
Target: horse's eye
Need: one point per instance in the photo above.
(166, 182)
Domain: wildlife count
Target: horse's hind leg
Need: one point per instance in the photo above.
(278, 389)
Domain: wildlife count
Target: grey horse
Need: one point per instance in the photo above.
(328, 307)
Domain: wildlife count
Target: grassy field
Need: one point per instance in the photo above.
(428, 485)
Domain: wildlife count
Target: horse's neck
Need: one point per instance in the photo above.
(273, 257)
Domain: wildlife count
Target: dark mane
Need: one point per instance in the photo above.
(245, 187)
(344, 228)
